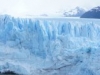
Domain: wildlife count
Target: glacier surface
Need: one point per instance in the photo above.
(50, 46)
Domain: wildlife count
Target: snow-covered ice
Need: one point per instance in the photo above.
(50, 46)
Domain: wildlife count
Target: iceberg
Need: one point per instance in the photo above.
(49, 46)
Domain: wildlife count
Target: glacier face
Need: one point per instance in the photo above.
(50, 46)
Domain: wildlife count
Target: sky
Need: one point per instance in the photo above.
(36, 7)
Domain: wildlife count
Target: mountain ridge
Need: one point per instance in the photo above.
(76, 12)
(92, 13)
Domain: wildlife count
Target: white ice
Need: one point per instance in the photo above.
(50, 46)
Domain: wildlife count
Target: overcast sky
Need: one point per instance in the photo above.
(35, 7)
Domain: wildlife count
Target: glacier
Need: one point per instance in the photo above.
(49, 46)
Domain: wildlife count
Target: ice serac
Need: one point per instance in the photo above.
(50, 46)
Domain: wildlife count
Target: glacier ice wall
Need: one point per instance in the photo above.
(50, 46)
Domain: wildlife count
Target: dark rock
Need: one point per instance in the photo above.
(8, 73)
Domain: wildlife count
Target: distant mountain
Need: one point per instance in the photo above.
(93, 13)
(77, 12)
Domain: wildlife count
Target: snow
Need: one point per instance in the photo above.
(76, 12)
(50, 46)
(95, 9)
